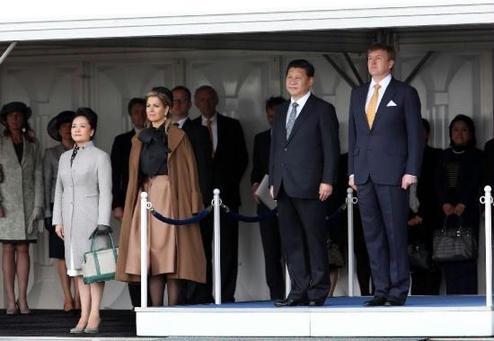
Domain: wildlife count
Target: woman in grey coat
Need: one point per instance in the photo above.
(21, 201)
(83, 203)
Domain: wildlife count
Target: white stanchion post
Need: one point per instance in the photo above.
(288, 283)
(216, 247)
(487, 201)
(144, 250)
(350, 202)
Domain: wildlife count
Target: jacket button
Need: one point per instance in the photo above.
(286, 149)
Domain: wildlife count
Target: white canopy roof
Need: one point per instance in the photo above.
(33, 20)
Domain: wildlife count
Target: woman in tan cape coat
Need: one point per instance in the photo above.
(175, 252)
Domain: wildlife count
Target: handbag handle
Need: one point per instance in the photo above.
(112, 244)
(460, 221)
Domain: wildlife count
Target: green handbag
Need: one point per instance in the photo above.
(100, 265)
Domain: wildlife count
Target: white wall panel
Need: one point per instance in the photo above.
(450, 83)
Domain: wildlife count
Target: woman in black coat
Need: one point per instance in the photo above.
(458, 182)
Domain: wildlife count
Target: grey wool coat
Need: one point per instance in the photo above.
(21, 192)
(82, 201)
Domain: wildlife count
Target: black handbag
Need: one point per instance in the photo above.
(419, 257)
(453, 244)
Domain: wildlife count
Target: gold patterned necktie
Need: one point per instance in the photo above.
(372, 107)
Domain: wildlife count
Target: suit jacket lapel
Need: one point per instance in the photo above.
(361, 100)
(387, 96)
(282, 114)
(301, 117)
(219, 131)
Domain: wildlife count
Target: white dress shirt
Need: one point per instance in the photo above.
(181, 122)
(384, 84)
(214, 128)
(301, 102)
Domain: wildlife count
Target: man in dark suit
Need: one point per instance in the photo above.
(229, 163)
(270, 233)
(120, 172)
(201, 144)
(385, 147)
(303, 166)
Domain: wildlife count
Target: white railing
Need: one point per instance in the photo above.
(487, 200)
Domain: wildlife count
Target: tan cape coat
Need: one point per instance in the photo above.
(186, 200)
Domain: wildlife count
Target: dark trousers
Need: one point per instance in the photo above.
(135, 294)
(426, 282)
(361, 256)
(460, 277)
(202, 293)
(303, 238)
(229, 256)
(271, 244)
(384, 213)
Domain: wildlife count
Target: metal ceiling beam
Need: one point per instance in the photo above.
(7, 51)
(352, 66)
(340, 71)
(417, 68)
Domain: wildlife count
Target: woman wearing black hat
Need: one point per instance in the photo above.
(59, 130)
(21, 200)
(162, 163)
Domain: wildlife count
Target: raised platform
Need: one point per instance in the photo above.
(341, 316)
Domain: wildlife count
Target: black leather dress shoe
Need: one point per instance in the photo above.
(290, 302)
(395, 302)
(376, 301)
(316, 303)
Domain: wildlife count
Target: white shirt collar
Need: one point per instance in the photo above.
(383, 83)
(301, 101)
(181, 122)
(212, 119)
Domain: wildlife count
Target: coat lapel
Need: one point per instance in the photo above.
(175, 136)
(301, 117)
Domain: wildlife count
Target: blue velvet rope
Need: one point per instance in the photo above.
(249, 219)
(255, 219)
(232, 214)
(196, 218)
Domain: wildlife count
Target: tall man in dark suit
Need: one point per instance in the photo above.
(385, 147)
(303, 166)
(120, 172)
(229, 163)
(203, 150)
(270, 233)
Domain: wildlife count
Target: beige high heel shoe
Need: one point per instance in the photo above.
(13, 311)
(25, 310)
(94, 330)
